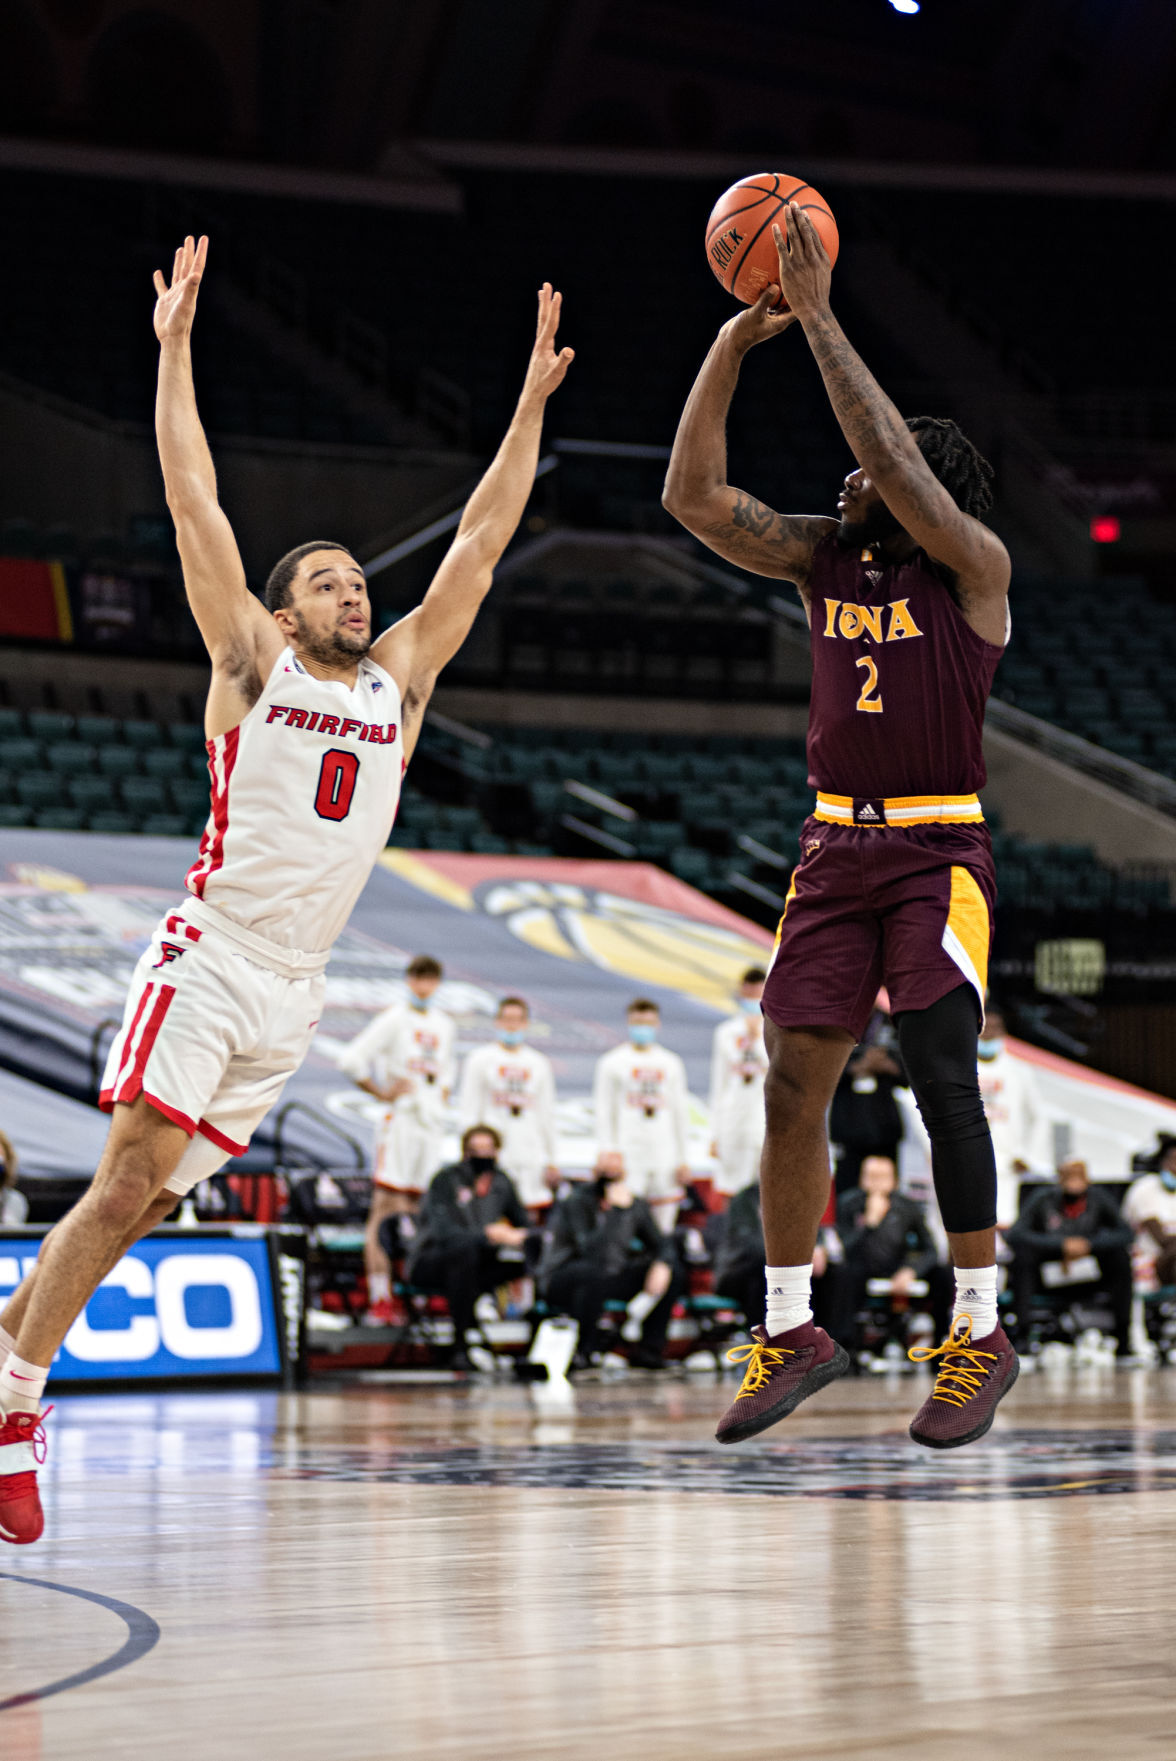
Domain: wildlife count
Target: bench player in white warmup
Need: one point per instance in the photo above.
(309, 728)
(509, 1085)
(405, 1059)
(739, 1065)
(641, 1104)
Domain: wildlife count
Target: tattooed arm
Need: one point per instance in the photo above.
(882, 443)
(697, 493)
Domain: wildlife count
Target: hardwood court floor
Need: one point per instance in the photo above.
(483, 1572)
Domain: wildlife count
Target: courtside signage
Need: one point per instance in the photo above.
(170, 1308)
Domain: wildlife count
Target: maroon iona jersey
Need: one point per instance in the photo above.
(900, 679)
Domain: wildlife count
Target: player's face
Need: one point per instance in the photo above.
(865, 517)
(423, 987)
(512, 1019)
(1073, 1178)
(330, 609)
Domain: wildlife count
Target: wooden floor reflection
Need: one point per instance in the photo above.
(487, 1572)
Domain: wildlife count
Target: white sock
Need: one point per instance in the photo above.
(637, 1311)
(975, 1295)
(7, 1347)
(379, 1287)
(789, 1297)
(21, 1383)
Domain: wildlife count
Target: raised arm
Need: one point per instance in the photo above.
(697, 493)
(882, 443)
(241, 637)
(415, 650)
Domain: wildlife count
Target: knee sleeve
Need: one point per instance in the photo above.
(200, 1161)
(938, 1047)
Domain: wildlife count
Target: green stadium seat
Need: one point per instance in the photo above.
(18, 755)
(143, 794)
(144, 736)
(97, 730)
(189, 794)
(59, 819)
(50, 725)
(198, 765)
(91, 793)
(166, 825)
(189, 737)
(118, 761)
(119, 823)
(12, 724)
(72, 756)
(14, 815)
(487, 844)
(165, 761)
(39, 788)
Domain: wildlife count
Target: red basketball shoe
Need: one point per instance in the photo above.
(782, 1370)
(974, 1377)
(22, 1450)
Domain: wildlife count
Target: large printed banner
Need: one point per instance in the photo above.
(578, 939)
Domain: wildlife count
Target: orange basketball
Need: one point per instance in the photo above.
(739, 244)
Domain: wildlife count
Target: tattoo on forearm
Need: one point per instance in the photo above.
(752, 516)
(763, 540)
(869, 419)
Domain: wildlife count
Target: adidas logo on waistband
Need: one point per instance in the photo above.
(867, 812)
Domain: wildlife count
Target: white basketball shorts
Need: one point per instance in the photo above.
(210, 1036)
(408, 1153)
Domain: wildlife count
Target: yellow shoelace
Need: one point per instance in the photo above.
(958, 1381)
(761, 1360)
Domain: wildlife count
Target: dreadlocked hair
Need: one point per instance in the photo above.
(964, 472)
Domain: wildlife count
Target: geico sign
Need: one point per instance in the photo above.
(169, 1328)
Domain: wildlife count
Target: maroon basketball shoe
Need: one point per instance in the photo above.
(974, 1376)
(782, 1370)
(22, 1450)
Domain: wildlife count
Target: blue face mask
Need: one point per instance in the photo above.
(749, 1005)
(988, 1049)
(642, 1034)
(510, 1036)
(1168, 1179)
(419, 1003)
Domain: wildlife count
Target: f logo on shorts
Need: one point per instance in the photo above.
(168, 951)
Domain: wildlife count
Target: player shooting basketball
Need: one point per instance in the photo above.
(907, 599)
(309, 726)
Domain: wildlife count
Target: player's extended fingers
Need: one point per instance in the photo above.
(783, 247)
(814, 243)
(177, 265)
(159, 283)
(201, 256)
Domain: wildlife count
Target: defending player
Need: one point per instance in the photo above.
(309, 728)
(906, 595)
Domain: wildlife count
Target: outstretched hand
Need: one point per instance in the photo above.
(805, 268)
(546, 369)
(759, 323)
(175, 306)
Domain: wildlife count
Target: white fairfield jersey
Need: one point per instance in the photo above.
(304, 794)
(739, 1064)
(513, 1089)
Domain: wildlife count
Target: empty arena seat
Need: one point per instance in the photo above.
(14, 814)
(189, 794)
(144, 736)
(39, 788)
(165, 825)
(97, 730)
(91, 793)
(165, 761)
(110, 821)
(18, 755)
(71, 755)
(143, 794)
(50, 725)
(59, 819)
(118, 760)
(12, 724)
(189, 736)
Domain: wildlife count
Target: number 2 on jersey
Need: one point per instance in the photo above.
(869, 700)
(336, 784)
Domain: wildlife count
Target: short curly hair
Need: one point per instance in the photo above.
(277, 586)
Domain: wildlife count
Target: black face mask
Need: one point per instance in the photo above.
(482, 1164)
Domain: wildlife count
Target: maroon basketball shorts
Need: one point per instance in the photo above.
(908, 907)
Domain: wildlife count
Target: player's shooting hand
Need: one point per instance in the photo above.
(175, 306)
(804, 265)
(547, 368)
(759, 323)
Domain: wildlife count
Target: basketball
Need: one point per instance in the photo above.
(739, 244)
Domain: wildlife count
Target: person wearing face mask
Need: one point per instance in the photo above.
(471, 1235)
(603, 1245)
(1150, 1208)
(739, 1063)
(640, 1100)
(404, 1058)
(1014, 1112)
(512, 1087)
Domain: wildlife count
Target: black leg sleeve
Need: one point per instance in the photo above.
(938, 1047)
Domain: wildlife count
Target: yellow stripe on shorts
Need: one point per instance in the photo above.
(968, 933)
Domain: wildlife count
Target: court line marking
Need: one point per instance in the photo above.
(143, 1634)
